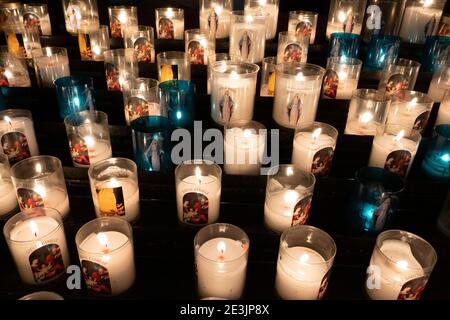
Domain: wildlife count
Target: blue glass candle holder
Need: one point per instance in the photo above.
(177, 98)
(75, 94)
(436, 51)
(374, 200)
(344, 45)
(382, 49)
(151, 143)
(436, 163)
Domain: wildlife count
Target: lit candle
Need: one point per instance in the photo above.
(268, 8)
(198, 46)
(303, 23)
(36, 15)
(344, 21)
(50, 64)
(122, 18)
(443, 116)
(362, 126)
(8, 199)
(292, 48)
(341, 77)
(440, 83)
(13, 71)
(170, 23)
(215, 19)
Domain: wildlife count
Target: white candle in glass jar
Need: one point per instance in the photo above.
(198, 198)
(117, 197)
(443, 116)
(177, 24)
(437, 90)
(344, 23)
(248, 40)
(302, 278)
(38, 246)
(293, 23)
(345, 86)
(55, 198)
(49, 68)
(216, 21)
(97, 149)
(112, 252)
(296, 51)
(221, 268)
(402, 268)
(271, 10)
(419, 22)
(362, 126)
(411, 114)
(18, 131)
(307, 150)
(8, 198)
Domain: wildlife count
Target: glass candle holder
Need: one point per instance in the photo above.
(121, 18)
(151, 143)
(248, 36)
(198, 189)
(382, 18)
(77, 12)
(39, 182)
(221, 255)
(36, 15)
(42, 295)
(346, 16)
(244, 146)
(215, 57)
(268, 77)
(50, 63)
(215, 17)
(297, 93)
(368, 110)
(13, 71)
(382, 50)
(305, 258)
(198, 46)
(289, 193)
(233, 91)
(313, 148)
(120, 65)
(141, 99)
(436, 52)
(169, 23)
(399, 75)
(341, 77)
(38, 245)
(394, 148)
(178, 98)
(115, 188)
(17, 137)
(268, 8)
(22, 41)
(344, 45)
(75, 94)
(440, 83)
(11, 13)
(173, 65)
(374, 200)
(142, 40)
(420, 20)
(292, 48)
(401, 264)
(410, 109)
(105, 250)
(8, 199)
(88, 135)
(436, 163)
(443, 116)
(303, 23)
(93, 41)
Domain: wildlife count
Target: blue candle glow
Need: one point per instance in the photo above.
(381, 50)
(435, 52)
(178, 99)
(344, 45)
(436, 163)
(75, 94)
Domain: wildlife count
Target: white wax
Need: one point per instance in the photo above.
(119, 264)
(130, 192)
(405, 114)
(417, 23)
(300, 279)
(223, 25)
(254, 50)
(221, 273)
(23, 125)
(293, 25)
(357, 127)
(99, 150)
(208, 186)
(271, 10)
(339, 27)
(30, 235)
(443, 116)
(48, 69)
(178, 28)
(281, 52)
(306, 146)
(57, 199)
(394, 275)
(437, 90)
(8, 199)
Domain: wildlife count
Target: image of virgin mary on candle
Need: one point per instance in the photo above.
(294, 109)
(165, 28)
(330, 84)
(195, 208)
(395, 83)
(226, 105)
(245, 44)
(29, 199)
(213, 21)
(301, 211)
(398, 162)
(46, 263)
(96, 277)
(15, 146)
(154, 153)
(31, 21)
(196, 52)
(73, 14)
(303, 29)
(292, 53)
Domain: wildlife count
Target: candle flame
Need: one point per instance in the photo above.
(399, 135)
(123, 17)
(412, 104)
(262, 2)
(8, 119)
(248, 18)
(247, 133)
(366, 117)
(403, 264)
(427, 3)
(198, 175)
(218, 9)
(34, 228)
(290, 198)
(38, 168)
(7, 73)
(304, 258)
(289, 171)
(342, 75)
(169, 13)
(96, 50)
(90, 141)
(316, 133)
(234, 75)
(221, 247)
(203, 42)
(342, 16)
(300, 77)
(114, 183)
(40, 190)
(103, 239)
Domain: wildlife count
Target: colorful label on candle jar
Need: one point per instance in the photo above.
(15, 44)
(412, 290)
(165, 28)
(96, 277)
(395, 83)
(292, 53)
(73, 15)
(303, 29)
(323, 285)
(46, 263)
(330, 84)
(421, 121)
(4, 82)
(196, 51)
(301, 211)
(195, 208)
(321, 164)
(226, 104)
(137, 107)
(168, 72)
(112, 77)
(15, 146)
(116, 27)
(143, 49)
(32, 20)
(29, 199)
(245, 44)
(294, 106)
(78, 150)
(111, 201)
(84, 43)
(398, 162)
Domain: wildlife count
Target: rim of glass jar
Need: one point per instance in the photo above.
(56, 163)
(49, 295)
(302, 13)
(443, 130)
(342, 60)
(130, 30)
(96, 221)
(244, 124)
(275, 170)
(375, 95)
(120, 52)
(72, 81)
(287, 69)
(390, 37)
(136, 83)
(14, 113)
(30, 214)
(177, 86)
(259, 4)
(177, 55)
(97, 168)
(345, 35)
(400, 96)
(396, 184)
(379, 243)
(406, 63)
(121, 7)
(77, 119)
(199, 162)
(317, 230)
(174, 10)
(48, 52)
(421, 3)
(196, 32)
(228, 66)
(258, 17)
(213, 57)
(414, 135)
(228, 226)
(292, 36)
(304, 127)
(270, 60)
(141, 124)
(34, 5)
